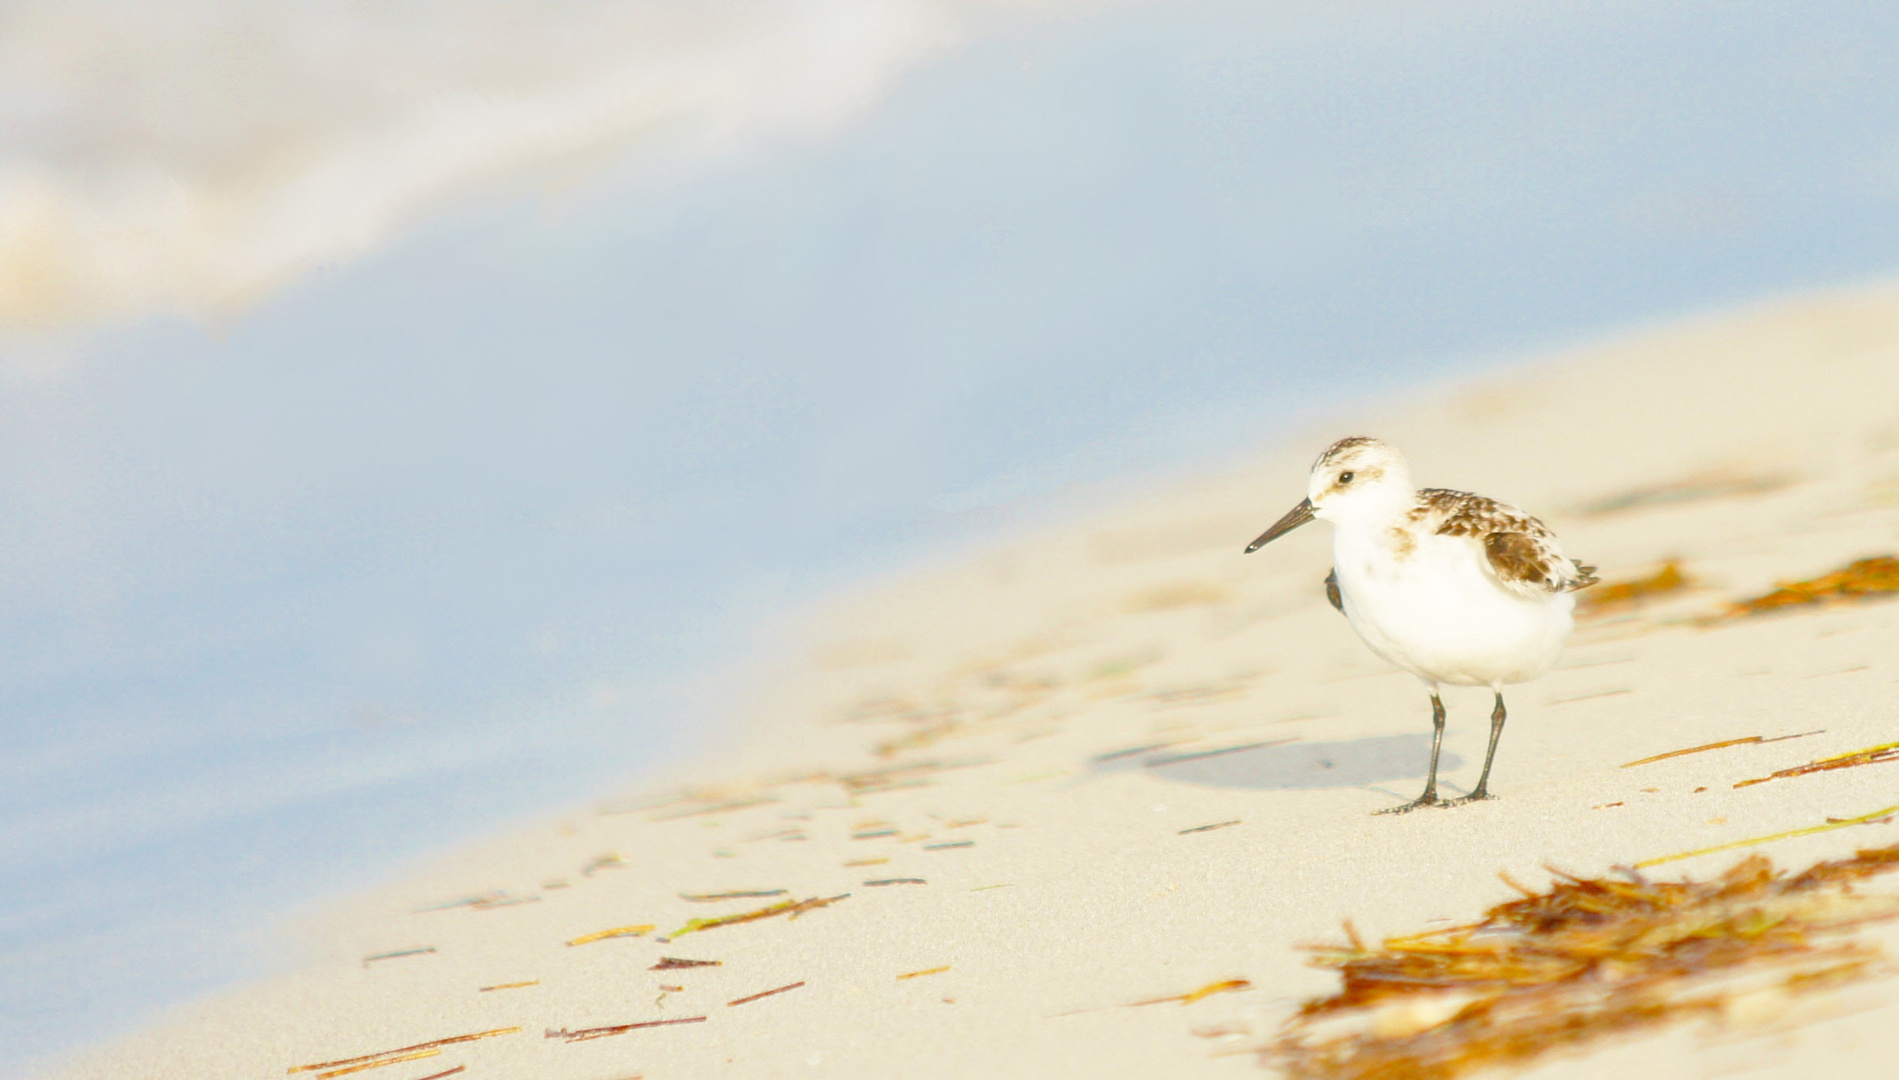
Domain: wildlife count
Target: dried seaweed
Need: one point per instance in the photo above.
(790, 908)
(390, 1056)
(1862, 579)
(1224, 986)
(1751, 740)
(764, 994)
(444, 1072)
(898, 881)
(398, 1059)
(617, 932)
(1872, 755)
(947, 844)
(509, 986)
(748, 894)
(673, 963)
(1611, 595)
(1586, 959)
(1877, 817)
(584, 1034)
(925, 971)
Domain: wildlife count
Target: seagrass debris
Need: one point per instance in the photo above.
(789, 908)
(398, 1059)
(425, 950)
(1585, 960)
(1209, 828)
(1872, 755)
(745, 894)
(1877, 817)
(390, 1056)
(1751, 740)
(1611, 595)
(585, 1034)
(749, 998)
(1863, 579)
(616, 932)
(1224, 986)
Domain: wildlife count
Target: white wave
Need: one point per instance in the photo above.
(190, 157)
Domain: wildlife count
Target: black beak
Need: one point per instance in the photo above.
(1294, 518)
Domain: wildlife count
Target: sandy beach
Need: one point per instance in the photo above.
(1075, 806)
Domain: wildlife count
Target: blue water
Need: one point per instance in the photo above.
(467, 529)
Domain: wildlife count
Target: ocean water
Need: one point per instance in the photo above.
(366, 513)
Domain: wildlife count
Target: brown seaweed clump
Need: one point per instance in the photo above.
(1587, 959)
(1860, 580)
(1611, 595)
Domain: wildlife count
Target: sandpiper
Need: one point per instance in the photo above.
(1452, 587)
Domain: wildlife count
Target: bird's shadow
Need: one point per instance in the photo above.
(1287, 766)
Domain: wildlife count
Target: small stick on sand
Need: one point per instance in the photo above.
(764, 994)
(1751, 740)
(925, 971)
(791, 908)
(1209, 828)
(425, 950)
(1873, 818)
(619, 931)
(750, 894)
(1224, 986)
(433, 1044)
(673, 963)
(585, 1034)
(1872, 755)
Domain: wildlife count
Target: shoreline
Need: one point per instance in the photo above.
(1034, 799)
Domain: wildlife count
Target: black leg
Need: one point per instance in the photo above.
(1429, 798)
(1482, 791)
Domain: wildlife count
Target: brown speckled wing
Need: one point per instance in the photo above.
(1332, 595)
(1521, 550)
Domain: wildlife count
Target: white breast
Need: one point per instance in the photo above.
(1431, 606)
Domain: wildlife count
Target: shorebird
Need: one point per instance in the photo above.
(1452, 587)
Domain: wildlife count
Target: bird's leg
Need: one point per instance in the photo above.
(1482, 790)
(1429, 798)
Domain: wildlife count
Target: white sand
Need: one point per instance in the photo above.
(1077, 893)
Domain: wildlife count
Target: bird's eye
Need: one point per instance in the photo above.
(1345, 478)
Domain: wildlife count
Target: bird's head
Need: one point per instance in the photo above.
(1355, 477)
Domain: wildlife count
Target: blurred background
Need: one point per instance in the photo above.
(408, 410)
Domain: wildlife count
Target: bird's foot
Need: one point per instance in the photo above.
(1429, 798)
(1475, 796)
